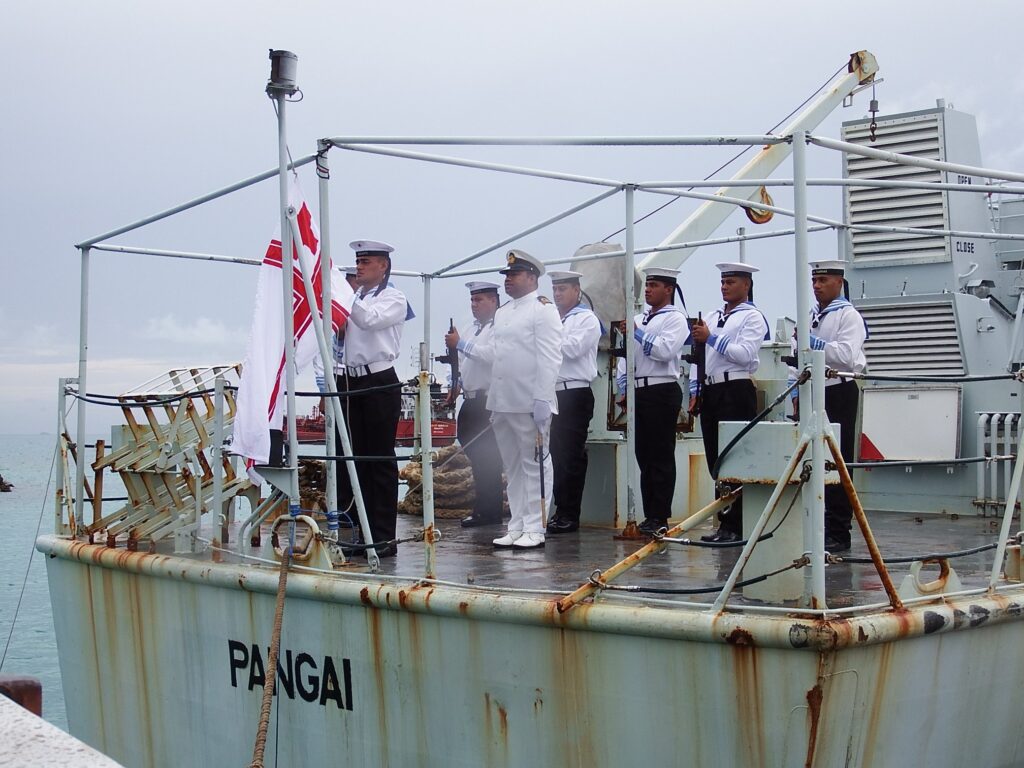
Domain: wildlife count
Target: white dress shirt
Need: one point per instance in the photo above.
(373, 332)
(527, 355)
(840, 330)
(476, 357)
(581, 332)
(735, 341)
(659, 338)
(339, 362)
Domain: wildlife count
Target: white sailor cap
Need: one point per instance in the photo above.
(830, 267)
(481, 286)
(371, 248)
(345, 270)
(565, 276)
(517, 261)
(736, 269)
(662, 274)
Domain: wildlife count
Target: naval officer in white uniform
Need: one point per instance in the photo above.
(658, 334)
(527, 356)
(733, 335)
(839, 329)
(581, 332)
(476, 357)
(373, 334)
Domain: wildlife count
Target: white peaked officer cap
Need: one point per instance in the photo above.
(371, 248)
(831, 267)
(481, 286)
(564, 276)
(736, 269)
(662, 274)
(346, 270)
(521, 261)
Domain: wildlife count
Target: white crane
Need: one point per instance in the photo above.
(702, 223)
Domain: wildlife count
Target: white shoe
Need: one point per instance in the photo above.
(506, 541)
(529, 540)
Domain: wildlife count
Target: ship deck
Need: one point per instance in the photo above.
(466, 556)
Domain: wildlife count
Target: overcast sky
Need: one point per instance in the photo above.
(116, 110)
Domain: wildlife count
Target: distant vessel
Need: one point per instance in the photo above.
(454, 655)
(311, 429)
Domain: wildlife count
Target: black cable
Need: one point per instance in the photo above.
(363, 547)
(355, 458)
(916, 558)
(802, 378)
(96, 399)
(352, 392)
(718, 544)
(925, 462)
(697, 590)
(735, 157)
(926, 379)
(743, 542)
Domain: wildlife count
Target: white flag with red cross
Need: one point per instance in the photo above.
(261, 391)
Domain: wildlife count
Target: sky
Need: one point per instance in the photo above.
(117, 110)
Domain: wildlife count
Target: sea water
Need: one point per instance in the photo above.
(26, 461)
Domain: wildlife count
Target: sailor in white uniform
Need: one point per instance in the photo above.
(659, 335)
(476, 357)
(527, 356)
(581, 332)
(733, 335)
(839, 329)
(373, 334)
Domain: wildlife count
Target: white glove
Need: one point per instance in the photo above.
(541, 414)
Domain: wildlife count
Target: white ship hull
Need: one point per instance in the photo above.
(162, 659)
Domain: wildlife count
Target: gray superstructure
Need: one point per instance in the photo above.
(939, 305)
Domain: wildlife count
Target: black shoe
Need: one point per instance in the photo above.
(652, 525)
(562, 525)
(835, 546)
(388, 550)
(351, 548)
(475, 520)
(721, 536)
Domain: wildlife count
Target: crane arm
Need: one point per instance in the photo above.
(702, 223)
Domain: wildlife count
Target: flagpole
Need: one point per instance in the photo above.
(334, 405)
(323, 174)
(83, 368)
(281, 85)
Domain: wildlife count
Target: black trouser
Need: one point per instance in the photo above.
(727, 401)
(372, 421)
(657, 411)
(841, 402)
(569, 429)
(477, 438)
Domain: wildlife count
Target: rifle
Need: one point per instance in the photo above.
(452, 358)
(698, 357)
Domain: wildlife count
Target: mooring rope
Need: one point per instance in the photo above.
(271, 679)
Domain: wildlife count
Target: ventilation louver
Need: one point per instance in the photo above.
(919, 136)
(913, 338)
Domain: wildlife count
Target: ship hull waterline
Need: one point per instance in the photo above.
(162, 659)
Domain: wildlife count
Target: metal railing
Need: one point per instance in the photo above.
(813, 424)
